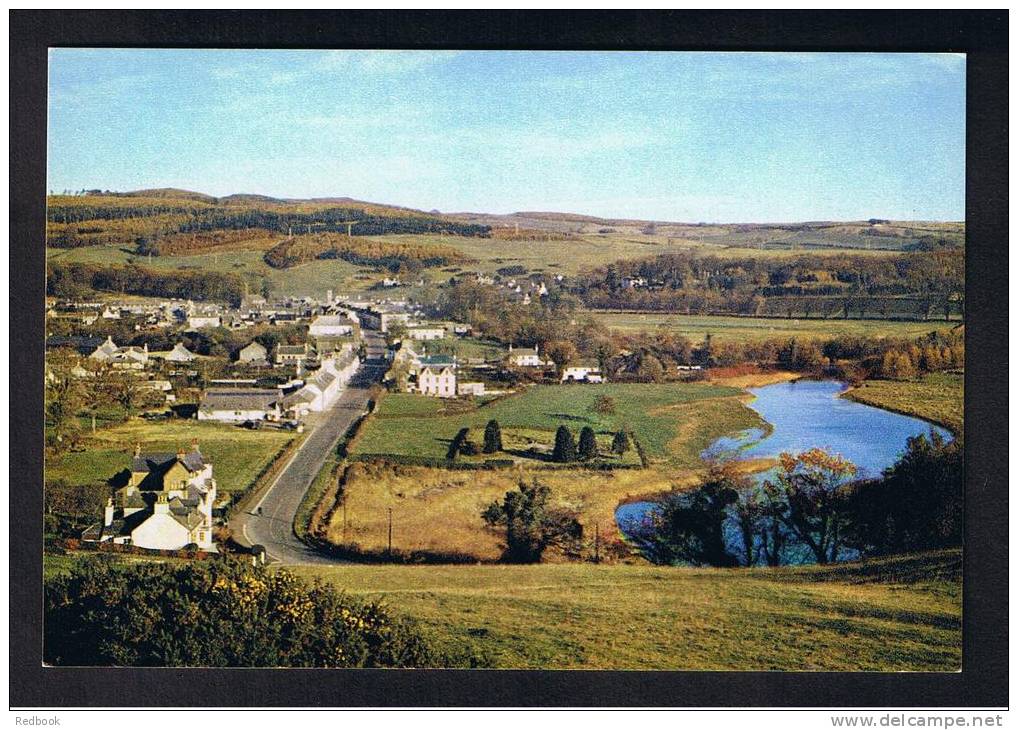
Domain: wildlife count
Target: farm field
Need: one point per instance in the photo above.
(896, 614)
(437, 512)
(237, 455)
(673, 421)
(746, 329)
(937, 397)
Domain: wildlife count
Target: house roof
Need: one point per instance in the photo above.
(331, 320)
(158, 462)
(292, 350)
(524, 352)
(438, 360)
(245, 399)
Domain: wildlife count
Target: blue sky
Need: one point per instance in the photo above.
(725, 137)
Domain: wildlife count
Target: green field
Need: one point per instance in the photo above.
(938, 397)
(746, 329)
(661, 415)
(901, 614)
(238, 455)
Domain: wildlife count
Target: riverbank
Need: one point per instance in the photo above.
(938, 398)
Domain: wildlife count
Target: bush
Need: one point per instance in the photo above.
(532, 525)
(217, 614)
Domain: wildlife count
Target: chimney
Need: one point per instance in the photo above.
(137, 450)
(194, 445)
(181, 453)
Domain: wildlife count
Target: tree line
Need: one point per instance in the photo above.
(393, 256)
(812, 510)
(809, 285)
(78, 280)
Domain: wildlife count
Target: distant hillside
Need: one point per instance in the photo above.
(160, 221)
(144, 218)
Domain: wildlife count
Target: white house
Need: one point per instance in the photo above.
(201, 321)
(330, 325)
(525, 357)
(254, 353)
(179, 353)
(292, 354)
(121, 358)
(437, 381)
(426, 332)
(165, 505)
(433, 375)
(238, 405)
(582, 374)
(472, 388)
(324, 386)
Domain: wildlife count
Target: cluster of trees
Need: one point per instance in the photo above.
(813, 510)
(72, 401)
(79, 280)
(807, 285)
(393, 256)
(532, 524)
(553, 324)
(220, 613)
(567, 449)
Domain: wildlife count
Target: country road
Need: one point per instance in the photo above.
(273, 527)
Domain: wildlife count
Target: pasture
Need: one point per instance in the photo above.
(673, 421)
(937, 397)
(238, 455)
(894, 614)
(747, 329)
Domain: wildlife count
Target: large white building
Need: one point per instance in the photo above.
(239, 405)
(331, 325)
(165, 505)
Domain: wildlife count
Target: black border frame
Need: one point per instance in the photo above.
(983, 35)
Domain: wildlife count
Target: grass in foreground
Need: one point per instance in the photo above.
(899, 614)
(938, 397)
(237, 455)
(749, 329)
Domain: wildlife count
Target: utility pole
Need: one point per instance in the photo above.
(389, 553)
(597, 544)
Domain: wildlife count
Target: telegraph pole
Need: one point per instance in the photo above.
(389, 553)
(597, 544)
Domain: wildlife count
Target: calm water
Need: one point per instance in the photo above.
(804, 415)
(809, 413)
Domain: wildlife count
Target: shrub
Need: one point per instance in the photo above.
(620, 443)
(217, 614)
(532, 525)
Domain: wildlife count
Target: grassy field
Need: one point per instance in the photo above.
(673, 421)
(939, 397)
(438, 511)
(745, 329)
(900, 614)
(237, 455)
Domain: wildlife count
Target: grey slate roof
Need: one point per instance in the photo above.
(245, 399)
(159, 462)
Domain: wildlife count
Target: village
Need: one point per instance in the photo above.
(301, 356)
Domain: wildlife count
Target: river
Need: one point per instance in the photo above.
(802, 415)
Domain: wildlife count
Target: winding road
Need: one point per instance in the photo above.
(270, 521)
